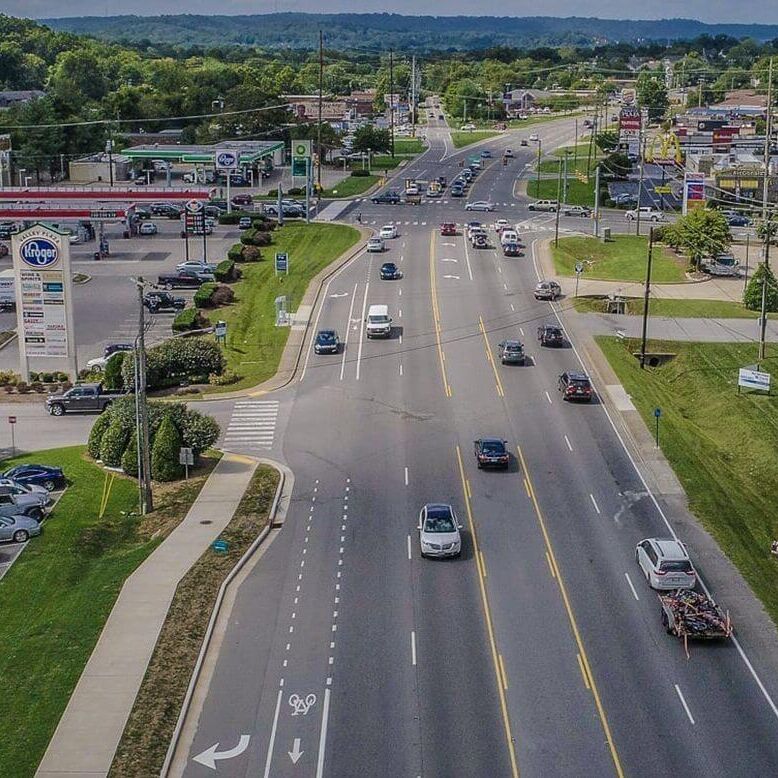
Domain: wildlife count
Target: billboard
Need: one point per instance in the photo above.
(629, 129)
(226, 160)
(693, 191)
(44, 312)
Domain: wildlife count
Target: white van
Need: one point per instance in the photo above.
(508, 236)
(378, 322)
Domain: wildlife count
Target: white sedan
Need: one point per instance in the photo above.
(387, 232)
(479, 205)
(375, 245)
(147, 228)
(501, 224)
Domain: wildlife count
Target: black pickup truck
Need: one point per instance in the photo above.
(188, 279)
(91, 398)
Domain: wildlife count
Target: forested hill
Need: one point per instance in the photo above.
(379, 31)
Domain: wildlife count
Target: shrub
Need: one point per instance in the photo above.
(232, 218)
(22, 387)
(96, 435)
(113, 443)
(227, 377)
(203, 296)
(165, 452)
(273, 193)
(60, 376)
(222, 295)
(36, 386)
(46, 378)
(112, 375)
(226, 271)
(295, 191)
(360, 173)
(752, 298)
(262, 239)
(130, 456)
(177, 359)
(188, 319)
(234, 253)
(250, 254)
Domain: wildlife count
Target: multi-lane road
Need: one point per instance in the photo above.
(539, 651)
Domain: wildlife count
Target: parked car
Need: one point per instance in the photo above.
(375, 245)
(390, 197)
(97, 364)
(244, 223)
(448, 229)
(576, 210)
(242, 199)
(15, 503)
(575, 386)
(547, 290)
(551, 335)
(327, 342)
(491, 452)
(165, 209)
(543, 205)
(185, 279)
(4, 251)
(665, 564)
(158, 301)
(625, 198)
(439, 534)
(112, 348)
(50, 478)
(390, 272)
(82, 397)
(511, 352)
(18, 529)
(7, 229)
(196, 264)
(17, 487)
(479, 205)
(469, 127)
(387, 232)
(647, 212)
(147, 228)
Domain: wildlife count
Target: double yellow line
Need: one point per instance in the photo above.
(499, 667)
(583, 660)
(490, 357)
(436, 315)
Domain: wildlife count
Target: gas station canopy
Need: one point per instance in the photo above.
(250, 151)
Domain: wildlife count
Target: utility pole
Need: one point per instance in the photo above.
(763, 319)
(147, 499)
(413, 96)
(558, 205)
(391, 100)
(537, 189)
(597, 201)
(321, 88)
(645, 299)
(110, 155)
(767, 134)
(564, 185)
(575, 148)
(642, 150)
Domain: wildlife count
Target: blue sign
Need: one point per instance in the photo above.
(39, 252)
(226, 160)
(282, 263)
(657, 412)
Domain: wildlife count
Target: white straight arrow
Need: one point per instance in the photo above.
(456, 277)
(210, 756)
(339, 294)
(449, 259)
(295, 753)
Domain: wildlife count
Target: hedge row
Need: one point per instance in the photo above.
(212, 295)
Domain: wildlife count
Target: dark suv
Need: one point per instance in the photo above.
(575, 386)
(551, 335)
(391, 197)
(491, 452)
(511, 352)
(163, 301)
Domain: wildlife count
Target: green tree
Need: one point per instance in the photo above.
(96, 435)
(368, 137)
(165, 452)
(652, 94)
(130, 456)
(752, 297)
(702, 233)
(112, 376)
(113, 443)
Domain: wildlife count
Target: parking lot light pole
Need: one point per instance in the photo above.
(558, 205)
(147, 499)
(22, 171)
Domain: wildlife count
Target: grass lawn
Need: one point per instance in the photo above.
(351, 186)
(254, 343)
(58, 594)
(463, 138)
(679, 309)
(620, 259)
(575, 164)
(408, 146)
(722, 446)
(578, 193)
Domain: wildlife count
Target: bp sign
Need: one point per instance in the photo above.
(301, 148)
(226, 160)
(39, 253)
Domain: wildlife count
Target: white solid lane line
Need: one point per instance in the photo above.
(683, 702)
(548, 397)
(413, 649)
(362, 329)
(348, 330)
(567, 440)
(406, 476)
(273, 735)
(467, 260)
(323, 735)
(410, 556)
(629, 581)
(594, 502)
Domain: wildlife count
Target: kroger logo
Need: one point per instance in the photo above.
(226, 159)
(39, 252)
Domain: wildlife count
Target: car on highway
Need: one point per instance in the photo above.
(378, 323)
(467, 127)
(508, 153)
(147, 228)
(665, 564)
(543, 205)
(479, 205)
(197, 265)
(735, 219)
(523, 142)
(18, 529)
(47, 476)
(412, 189)
(501, 224)
(534, 138)
(90, 398)
(511, 352)
(439, 531)
(158, 301)
(244, 223)
(457, 190)
(575, 386)
(387, 232)
(491, 452)
(509, 235)
(448, 228)
(511, 249)
(375, 245)
(486, 154)
(327, 342)
(480, 241)
(576, 210)
(647, 212)
(551, 335)
(184, 279)
(390, 272)
(391, 197)
(547, 290)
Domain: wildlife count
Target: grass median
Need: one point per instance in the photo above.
(621, 259)
(676, 309)
(722, 446)
(578, 192)
(350, 187)
(59, 593)
(254, 343)
(463, 138)
(149, 729)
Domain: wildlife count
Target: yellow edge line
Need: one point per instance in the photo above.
(500, 391)
(551, 566)
(504, 674)
(583, 671)
(573, 624)
(436, 315)
(489, 628)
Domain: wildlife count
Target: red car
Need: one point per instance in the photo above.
(448, 228)
(242, 199)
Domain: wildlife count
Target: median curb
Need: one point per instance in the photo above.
(176, 758)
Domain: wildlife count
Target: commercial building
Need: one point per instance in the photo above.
(96, 168)
(10, 98)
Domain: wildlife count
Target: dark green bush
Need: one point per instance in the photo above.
(177, 360)
(112, 375)
(130, 456)
(96, 435)
(226, 271)
(295, 191)
(188, 319)
(165, 452)
(232, 218)
(234, 253)
(202, 297)
(360, 173)
(113, 443)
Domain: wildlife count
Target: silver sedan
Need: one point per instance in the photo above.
(18, 529)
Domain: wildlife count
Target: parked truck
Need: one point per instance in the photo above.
(85, 398)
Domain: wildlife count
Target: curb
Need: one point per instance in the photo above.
(215, 614)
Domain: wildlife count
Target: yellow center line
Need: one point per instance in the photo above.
(573, 624)
(489, 627)
(489, 356)
(504, 674)
(583, 671)
(436, 315)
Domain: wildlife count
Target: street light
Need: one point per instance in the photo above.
(27, 180)
(22, 171)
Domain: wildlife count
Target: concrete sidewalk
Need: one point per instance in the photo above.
(89, 731)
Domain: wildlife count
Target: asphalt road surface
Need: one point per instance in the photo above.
(540, 649)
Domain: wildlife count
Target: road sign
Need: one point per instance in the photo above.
(300, 166)
(185, 456)
(579, 268)
(657, 412)
(753, 379)
(220, 330)
(663, 190)
(226, 160)
(282, 263)
(12, 419)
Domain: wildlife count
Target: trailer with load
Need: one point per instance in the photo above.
(687, 613)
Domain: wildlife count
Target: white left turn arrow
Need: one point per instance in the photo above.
(295, 753)
(212, 755)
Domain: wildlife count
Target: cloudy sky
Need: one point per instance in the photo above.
(745, 11)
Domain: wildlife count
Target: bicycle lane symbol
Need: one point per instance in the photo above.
(301, 705)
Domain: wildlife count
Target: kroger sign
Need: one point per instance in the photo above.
(39, 252)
